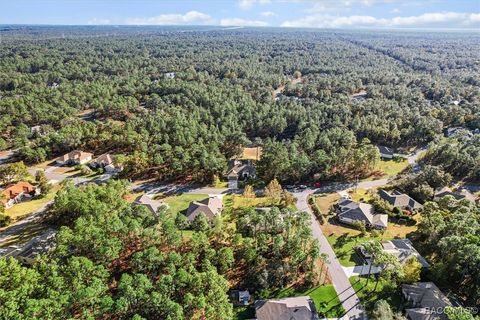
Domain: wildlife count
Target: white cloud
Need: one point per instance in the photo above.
(247, 4)
(242, 22)
(444, 19)
(191, 17)
(97, 21)
(395, 10)
(268, 14)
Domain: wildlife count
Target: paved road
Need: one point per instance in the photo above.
(6, 155)
(349, 299)
(22, 225)
(57, 177)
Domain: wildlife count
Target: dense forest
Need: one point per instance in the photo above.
(117, 261)
(107, 89)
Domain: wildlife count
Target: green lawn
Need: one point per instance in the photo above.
(325, 201)
(180, 203)
(391, 168)
(325, 298)
(362, 195)
(343, 247)
(384, 291)
(237, 201)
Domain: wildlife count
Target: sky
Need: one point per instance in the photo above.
(462, 14)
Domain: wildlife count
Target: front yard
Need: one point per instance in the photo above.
(26, 208)
(384, 291)
(391, 168)
(343, 239)
(179, 203)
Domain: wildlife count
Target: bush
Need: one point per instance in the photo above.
(316, 211)
(4, 220)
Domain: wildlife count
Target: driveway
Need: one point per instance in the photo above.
(361, 270)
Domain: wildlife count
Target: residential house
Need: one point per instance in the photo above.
(36, 130)
(385, 152)
(28, 252)
(169, 75)
(107, 161)
(448, 132)
(239, 170)
(149, 203)
(400, 200)
(298, 308)
(352, 212)
(400, 248)
(74, 157)
(18, 192)
(458, 195)
(426, 300)
(210, 207)
(240, 298)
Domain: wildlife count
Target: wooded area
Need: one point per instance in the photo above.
(220, 96)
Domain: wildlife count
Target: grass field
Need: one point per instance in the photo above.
(237, 201)
(325, 298)
(369, 296)
(26, 208)
(362, 195)
(254, 153)
(392, 167)
(180, 203)
(325, 201)
(343, 247)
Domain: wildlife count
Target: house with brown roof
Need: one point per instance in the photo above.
(210, 207)
(74, 157)
(106, 161)
(458, 195)
(18, 192)
(297, 308)
(400, 200)
(149, 203)
(352, 212)
(426, 301)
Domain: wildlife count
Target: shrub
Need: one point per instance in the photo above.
(4, 220)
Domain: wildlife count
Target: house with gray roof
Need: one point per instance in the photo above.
(352, 212)
(149, 203)
(426, 301)
(239, 170)
(210, 207)
(28, 252)
(400, 200)
(385, 152)
(297, 308)
(458, 195)
(400, 248)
